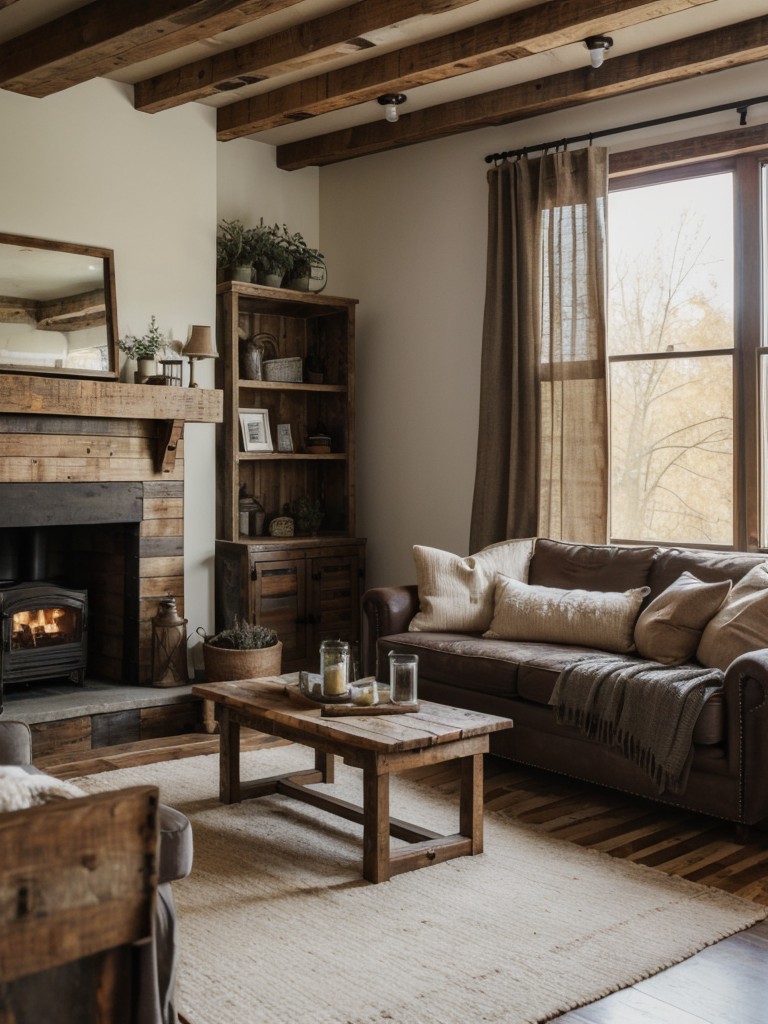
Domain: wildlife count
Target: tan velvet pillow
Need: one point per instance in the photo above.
(455, 593)
(741, 625)
(589, 618)
(670, 628)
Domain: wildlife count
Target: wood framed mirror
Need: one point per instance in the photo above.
(58, 314)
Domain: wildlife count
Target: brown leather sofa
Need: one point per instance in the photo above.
(729, 773)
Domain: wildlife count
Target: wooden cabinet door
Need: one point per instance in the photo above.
(278, 598)
(334, 605)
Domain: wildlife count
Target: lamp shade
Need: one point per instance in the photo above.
(200, 343)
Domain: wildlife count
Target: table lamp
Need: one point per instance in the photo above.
(200, 345)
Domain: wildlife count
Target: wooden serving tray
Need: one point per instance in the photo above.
(339, 710)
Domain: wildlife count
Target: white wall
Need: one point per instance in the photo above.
(405, 233)
(251, 186)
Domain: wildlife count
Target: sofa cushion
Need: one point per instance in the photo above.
(741, 625)
(589, 566)
(468, 662)
(455, 593)
(536, 679)
(709, 566)
(670, 628)
(605, 621)
(20, 789)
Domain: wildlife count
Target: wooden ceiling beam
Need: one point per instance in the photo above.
(503, 39)
(311, 42)
(732, 46)
(109, 34)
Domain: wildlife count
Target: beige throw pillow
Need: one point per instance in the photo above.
(741, 625)
(670, 628)
(589, 618)
(455, 593)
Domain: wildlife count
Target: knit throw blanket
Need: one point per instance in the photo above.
(646, 710)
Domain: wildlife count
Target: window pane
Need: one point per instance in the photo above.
(671, 266)
(672, 450)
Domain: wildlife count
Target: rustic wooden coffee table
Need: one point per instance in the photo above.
(381, 746)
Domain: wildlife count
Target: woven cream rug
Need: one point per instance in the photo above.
(277, 926)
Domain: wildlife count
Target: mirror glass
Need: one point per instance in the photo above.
(57, 308)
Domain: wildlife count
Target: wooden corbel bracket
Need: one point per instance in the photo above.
(169, 434)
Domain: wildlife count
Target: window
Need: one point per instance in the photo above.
(683, 340)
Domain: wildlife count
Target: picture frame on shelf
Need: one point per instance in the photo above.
(284, 437)
(254, 429)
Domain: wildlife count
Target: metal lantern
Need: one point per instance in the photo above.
(169, 646)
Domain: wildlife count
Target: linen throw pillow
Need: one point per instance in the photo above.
(20, 789)
(741, 624)
(589, 618)
(670, 628)
(455, 593)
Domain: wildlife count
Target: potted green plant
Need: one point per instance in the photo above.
(273, 260)
(233, 260)
(144, 349)
(245, 650)
(308, 272)
(309, 515)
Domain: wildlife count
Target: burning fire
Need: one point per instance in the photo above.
(40, 620)
(42, 626)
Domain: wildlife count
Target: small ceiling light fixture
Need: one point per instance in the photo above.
(391, 101)
(598, 46)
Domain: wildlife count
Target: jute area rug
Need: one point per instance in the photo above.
(277, 926)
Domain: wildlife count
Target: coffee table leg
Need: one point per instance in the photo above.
(324, 763)
(229, 759)
(471, 801)
(375, 826)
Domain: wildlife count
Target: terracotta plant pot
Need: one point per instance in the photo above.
(223, 663)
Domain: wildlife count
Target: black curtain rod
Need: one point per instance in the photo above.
(741, 107)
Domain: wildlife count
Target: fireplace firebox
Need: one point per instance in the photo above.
(44, 633)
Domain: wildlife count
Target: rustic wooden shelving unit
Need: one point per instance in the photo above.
(306, 587)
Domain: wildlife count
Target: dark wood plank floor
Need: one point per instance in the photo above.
(726, 983)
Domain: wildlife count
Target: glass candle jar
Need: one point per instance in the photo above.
(334, 667)
(403, 677)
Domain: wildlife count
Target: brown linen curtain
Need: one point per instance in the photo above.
(542, 458)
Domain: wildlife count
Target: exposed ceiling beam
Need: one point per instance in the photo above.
(322, 39)
(722, 48)
(109, 34)
(510, 37)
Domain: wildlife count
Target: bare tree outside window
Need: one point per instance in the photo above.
(670, 339)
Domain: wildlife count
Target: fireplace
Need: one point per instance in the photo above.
(43, 633)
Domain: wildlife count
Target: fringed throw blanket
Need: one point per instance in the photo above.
(645, 709)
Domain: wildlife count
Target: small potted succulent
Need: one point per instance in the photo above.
(245, 650)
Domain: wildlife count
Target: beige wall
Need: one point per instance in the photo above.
(84, 166)
(405, 233)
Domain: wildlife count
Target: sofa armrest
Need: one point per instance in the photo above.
(386, 610)
(746, 710)
(15, 743)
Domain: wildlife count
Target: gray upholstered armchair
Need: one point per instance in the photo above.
(157, 958)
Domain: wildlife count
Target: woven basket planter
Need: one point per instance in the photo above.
(223, 663)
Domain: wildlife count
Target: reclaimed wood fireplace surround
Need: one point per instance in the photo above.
(99, 466)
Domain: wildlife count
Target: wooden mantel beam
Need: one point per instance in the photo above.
(65, 396)
(108, 34)
(732, 46)
(312, 42)
(503, 39)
